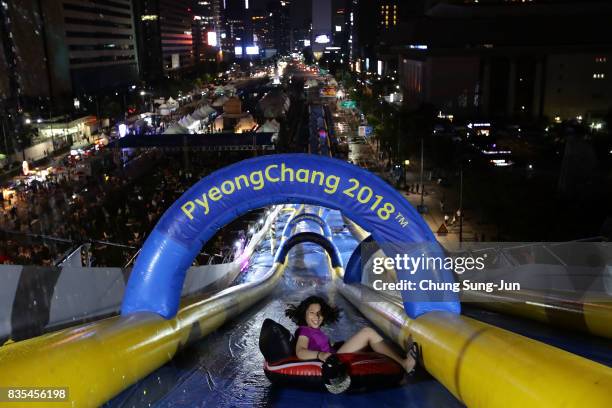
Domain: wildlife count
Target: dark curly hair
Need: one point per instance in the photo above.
(297, 314)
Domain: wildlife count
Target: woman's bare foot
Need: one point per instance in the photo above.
(409, 363)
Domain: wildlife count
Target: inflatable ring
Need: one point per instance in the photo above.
(367, 371)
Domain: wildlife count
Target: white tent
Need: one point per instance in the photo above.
(188, 122)
(271, 126)
(203, 112)
(176, 129)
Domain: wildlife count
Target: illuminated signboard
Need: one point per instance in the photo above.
(212, 38)
(322, 39)
(252, 50)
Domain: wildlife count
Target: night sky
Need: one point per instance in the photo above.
(300, 10)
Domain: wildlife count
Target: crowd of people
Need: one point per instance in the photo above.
(113, 209)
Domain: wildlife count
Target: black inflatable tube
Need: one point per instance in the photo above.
(315, 238)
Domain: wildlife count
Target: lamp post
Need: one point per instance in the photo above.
(143, 94)
(406, 164)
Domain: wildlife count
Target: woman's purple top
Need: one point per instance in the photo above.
(317, 340)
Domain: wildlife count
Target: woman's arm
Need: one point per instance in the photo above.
(302, 352)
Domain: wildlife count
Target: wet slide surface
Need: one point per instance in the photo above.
(225, 369)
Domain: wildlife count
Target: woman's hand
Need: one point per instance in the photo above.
(323, 355)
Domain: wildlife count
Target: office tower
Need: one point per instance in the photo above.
(100, 40)
(207, 30)
(321, 26)
(237, 27)
(280, 24)
(165, 38)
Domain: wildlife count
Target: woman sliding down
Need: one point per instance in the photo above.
(314, 312)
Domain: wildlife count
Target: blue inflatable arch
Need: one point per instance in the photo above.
(157, 278)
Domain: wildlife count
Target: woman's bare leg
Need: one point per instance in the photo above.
(369, 337)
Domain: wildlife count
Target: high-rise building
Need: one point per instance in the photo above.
(100, 40)
(165, 36)
(237, 27)
(24, 66)
(207, 30)
(52, 51)
(261, 31)
(62, 47)
(321, 26)
(340, 29)
(301, 19)
(388, 14)
(510, 59)
(279, 18)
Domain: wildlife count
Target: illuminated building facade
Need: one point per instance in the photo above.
(207, 30)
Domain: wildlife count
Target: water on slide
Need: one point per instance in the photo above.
(225, 369)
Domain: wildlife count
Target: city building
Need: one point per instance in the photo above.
(261, 33)
(510, 59)
(207, 29)
(280, 25)
(57, 51)
(61, 48)
(321, 36)
(300, 16)
(165, 38)
(237, 28)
